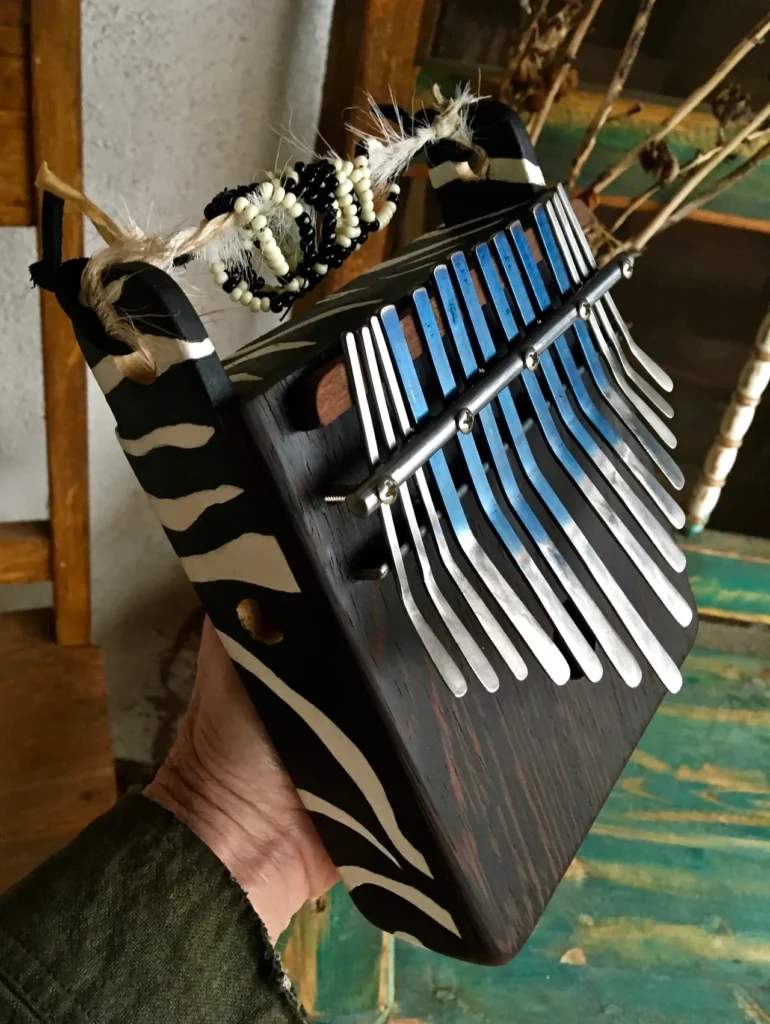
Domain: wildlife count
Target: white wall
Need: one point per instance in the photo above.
(179, 101)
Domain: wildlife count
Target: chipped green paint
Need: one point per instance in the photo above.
(730, 575)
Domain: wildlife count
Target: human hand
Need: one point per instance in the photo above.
(224, 780)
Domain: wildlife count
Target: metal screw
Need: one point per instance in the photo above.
(387, 491)
(585, 311)
(464, 421)
(531, 359)
(372, 574)
(627, 269)
(333, 499)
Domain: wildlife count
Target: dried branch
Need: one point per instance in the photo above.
(614, 89)
(685, 169)
(536, 125)
(660, 220)
(507, 87)
(720, 186)
(746, 45)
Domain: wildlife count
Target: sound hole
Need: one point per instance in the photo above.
(257, 623)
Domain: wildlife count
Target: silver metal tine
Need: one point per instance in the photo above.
(465, 642)
(651, 445)
(605, 635)
(643, 636)
(663, 431)
(513, 607)
(497, 518)
(447, 668)
(655, 371)
(654, 529)
(489, 623)
(584, 271)
(601, 424)
(660, 584)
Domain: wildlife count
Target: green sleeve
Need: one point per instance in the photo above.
(137, 921)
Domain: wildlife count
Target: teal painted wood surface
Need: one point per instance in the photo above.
(730, 575)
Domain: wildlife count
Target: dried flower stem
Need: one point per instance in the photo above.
(517, 52)
(536, 125)
(721, 186)
(660, 220)
(746, 45)
(614, 89)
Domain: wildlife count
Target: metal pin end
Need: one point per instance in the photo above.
(465, 420)
(333, 499)
(627, 269)
(372, 574)
(387, 490)
(585, 310)
(531, 359)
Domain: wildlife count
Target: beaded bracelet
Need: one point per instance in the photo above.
(323, 211)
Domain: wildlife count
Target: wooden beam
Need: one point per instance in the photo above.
(25, 552)
(55, 78)
(16, 202)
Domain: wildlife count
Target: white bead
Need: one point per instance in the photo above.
(396, 189)
(265, 303)
(264, 236)
(255, 305)
(342, 232)
(278, 193)
(347, 168)
(361, 161)
(242, 285)
(295, 210)
(288, 200)
(282, 269)
(293, 285)
(258, 223)
(345, 200)
(246, 298)
(240, 204)
(217, 267)
(235, 294)
(343, 241)
(266, 190)
(344, 188)
(389, 205)
(350, 215)
(321, 268)
(250, 211)
(357, 175)
(337, 163)
(220, 278)
(366, 196)
(367, 214)
(352, 232)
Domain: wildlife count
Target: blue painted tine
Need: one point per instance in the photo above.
(601, 424)
(580, 648)
(643, 636)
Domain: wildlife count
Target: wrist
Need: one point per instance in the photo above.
(260, 854)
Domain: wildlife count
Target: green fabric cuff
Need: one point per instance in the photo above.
(137, 921)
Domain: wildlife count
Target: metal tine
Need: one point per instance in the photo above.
(659, 494)
(465, 642)
(651, 445)
(663, 431)
(660, 584)
(643, 636)
(446, 666)
(595, 452)
(489, 623)
(514, 608)
(584, 271)
(616, 650)
(497, 518)
(655, 371)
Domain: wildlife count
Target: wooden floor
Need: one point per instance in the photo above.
(56, 768)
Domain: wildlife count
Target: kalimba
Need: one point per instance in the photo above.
(429, 521)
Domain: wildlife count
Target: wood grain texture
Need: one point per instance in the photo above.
(16, 190)
(55, 77)
(56, 769)
(25, 552)
(662, 915)
(730, 575)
